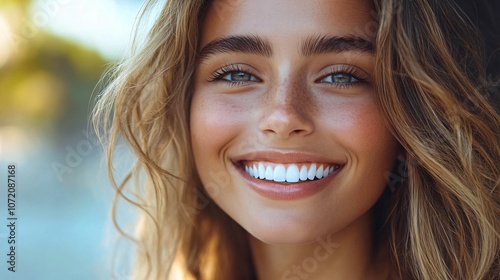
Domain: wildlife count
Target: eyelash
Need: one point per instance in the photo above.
(359, 76)
(219, 74)
(354, 72)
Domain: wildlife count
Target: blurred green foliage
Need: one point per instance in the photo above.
(23, 3)
(46, 82)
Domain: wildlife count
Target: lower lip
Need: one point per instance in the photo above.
(287, 191)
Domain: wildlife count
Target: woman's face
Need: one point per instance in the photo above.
(287, 136)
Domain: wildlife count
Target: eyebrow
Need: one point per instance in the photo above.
(243, 44)
(325, 44)
(311, 46)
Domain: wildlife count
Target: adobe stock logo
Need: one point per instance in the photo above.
(74, 155)
(310, 264)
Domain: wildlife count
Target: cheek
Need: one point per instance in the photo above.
(205, 118)
(373, 139)
(215, 123)
(358, 126)
(360, 130)
(218, 119)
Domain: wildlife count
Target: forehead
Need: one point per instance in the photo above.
(283, 19)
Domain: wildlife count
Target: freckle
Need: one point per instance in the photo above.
(236, 108)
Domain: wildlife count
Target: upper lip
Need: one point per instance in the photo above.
(285, 157)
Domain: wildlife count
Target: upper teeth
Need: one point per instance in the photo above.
(290, 172)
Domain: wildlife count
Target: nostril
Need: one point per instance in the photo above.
(286, 123)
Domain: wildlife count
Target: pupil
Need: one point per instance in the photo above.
(240, 76)
(341, 78)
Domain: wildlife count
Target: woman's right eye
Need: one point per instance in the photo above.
(239, 76)
(234, 74)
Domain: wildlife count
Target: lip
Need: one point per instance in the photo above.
(285, 191)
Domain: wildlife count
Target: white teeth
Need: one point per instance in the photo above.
(292, 174)
(325, 172)
(279, 174)
(288, 173)
(269, 173)
(319, 172)
(303, 173)
(312, 172)
(262, 171)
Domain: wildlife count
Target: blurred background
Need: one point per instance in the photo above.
(52, 55)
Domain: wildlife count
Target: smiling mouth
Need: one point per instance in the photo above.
(288, 173)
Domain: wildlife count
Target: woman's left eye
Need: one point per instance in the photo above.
(339, 78)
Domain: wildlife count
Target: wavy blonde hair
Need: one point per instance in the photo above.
(442, 221)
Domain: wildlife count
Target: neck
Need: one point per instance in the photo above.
(347, 254)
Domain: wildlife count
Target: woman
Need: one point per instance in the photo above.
(309, 140)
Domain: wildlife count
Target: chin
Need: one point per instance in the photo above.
(284, 233)
(280, 238)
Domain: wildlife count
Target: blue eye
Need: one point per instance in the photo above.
(339, 78)
(234, 75)
(343, 76)
(238, 76)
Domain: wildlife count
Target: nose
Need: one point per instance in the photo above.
(287, 112)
